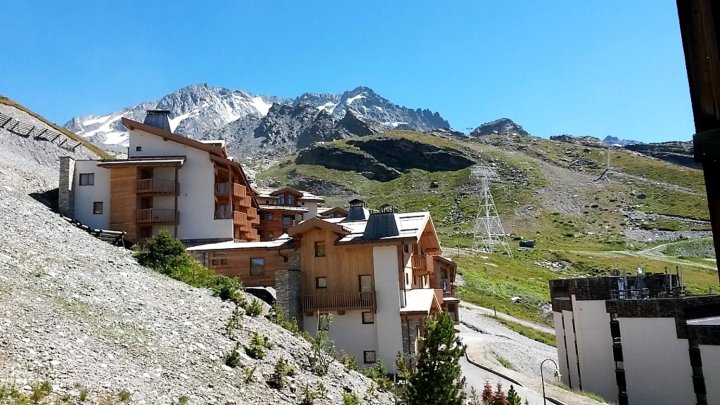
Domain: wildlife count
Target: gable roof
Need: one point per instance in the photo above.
(318, 223)
(167, 135)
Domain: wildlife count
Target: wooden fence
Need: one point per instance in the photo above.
(27, 130)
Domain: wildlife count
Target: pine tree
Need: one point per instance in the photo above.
(512, 397)
(498, 397)
(438, 377)
(487, 392)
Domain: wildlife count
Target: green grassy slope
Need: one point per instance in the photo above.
(574, 219)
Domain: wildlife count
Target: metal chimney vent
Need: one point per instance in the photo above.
(381, 225)
(158, 119)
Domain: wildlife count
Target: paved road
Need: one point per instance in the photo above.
(467, 306)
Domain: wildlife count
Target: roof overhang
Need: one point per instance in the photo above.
(154, 162)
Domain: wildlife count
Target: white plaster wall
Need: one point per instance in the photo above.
(572, 374)
(85, 196)
(597, 367)
(387, 318)
(657, 364)
(561, 349)
(349, 333)
(711, 371)
(312, 207)
(196, 202)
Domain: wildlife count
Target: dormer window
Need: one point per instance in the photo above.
(281, 200)
(290, 200)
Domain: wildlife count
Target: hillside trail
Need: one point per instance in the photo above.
(491, 312)
(652, 253)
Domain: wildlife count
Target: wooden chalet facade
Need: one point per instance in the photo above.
(284, 208)
(378, 275)
(167, 181)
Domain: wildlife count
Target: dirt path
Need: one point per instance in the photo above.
(653, 253)
(469, 308)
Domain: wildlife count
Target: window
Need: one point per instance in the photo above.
(290, 200)
(98, 207)
(218, 259)
(281, 200)
(288, 220)
(407, 279)
(369, 356)
(257, 266)
(324, 322)
(269, 217)
(138, 149)
(406, 248)
(87, 179)
(368, 317)
(320, 282)
(320, 248)
(365, 282)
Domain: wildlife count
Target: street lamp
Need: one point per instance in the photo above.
(542, 378)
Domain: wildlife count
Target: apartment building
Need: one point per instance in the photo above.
(637, 339)
(189, 187)
(283, 208)
(376, 275)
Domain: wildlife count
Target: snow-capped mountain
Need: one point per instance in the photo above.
(204, 112)
(194, 111)
(369, 106)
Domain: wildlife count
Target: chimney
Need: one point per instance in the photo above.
(381, 225)
(158, 119)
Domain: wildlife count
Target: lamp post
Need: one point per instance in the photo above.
(542, 377)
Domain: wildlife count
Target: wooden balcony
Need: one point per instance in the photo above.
(156, 216)
(252, 213)
(156, 186)
(419, 264)
(239, 190)
(339, 302)
(240, 219)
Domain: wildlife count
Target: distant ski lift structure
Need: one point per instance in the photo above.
(489, 231)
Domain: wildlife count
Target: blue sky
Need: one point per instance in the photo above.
(611, 67)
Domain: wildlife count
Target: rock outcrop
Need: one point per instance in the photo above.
(502, 126)
(384, 159)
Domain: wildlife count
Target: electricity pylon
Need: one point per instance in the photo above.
(489, 231)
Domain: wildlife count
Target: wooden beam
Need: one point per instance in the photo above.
(698, 27)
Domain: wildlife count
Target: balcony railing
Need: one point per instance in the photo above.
(239, 190)
(252, 213)
(156, 186)
(338, 302)
(419, 263)
(156, 216)
(239, 218)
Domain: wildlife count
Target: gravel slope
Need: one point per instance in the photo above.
(83, 314)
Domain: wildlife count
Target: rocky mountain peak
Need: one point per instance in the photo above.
(499, 126)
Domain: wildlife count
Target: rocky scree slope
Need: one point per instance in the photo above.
(83, 315)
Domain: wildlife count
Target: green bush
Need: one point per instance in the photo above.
(350, 398)
(254, 308)
(168, 256)
(257, 347)
(232, 359)
(282, 370)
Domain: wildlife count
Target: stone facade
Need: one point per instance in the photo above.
(66, 200)
(287, 286)
(410, 338)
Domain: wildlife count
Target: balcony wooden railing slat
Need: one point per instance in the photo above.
(339, 301)
(156, 215)
(156, 186)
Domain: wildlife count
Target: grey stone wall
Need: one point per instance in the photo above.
(409, 335)
(66, 194)
(287, 287)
